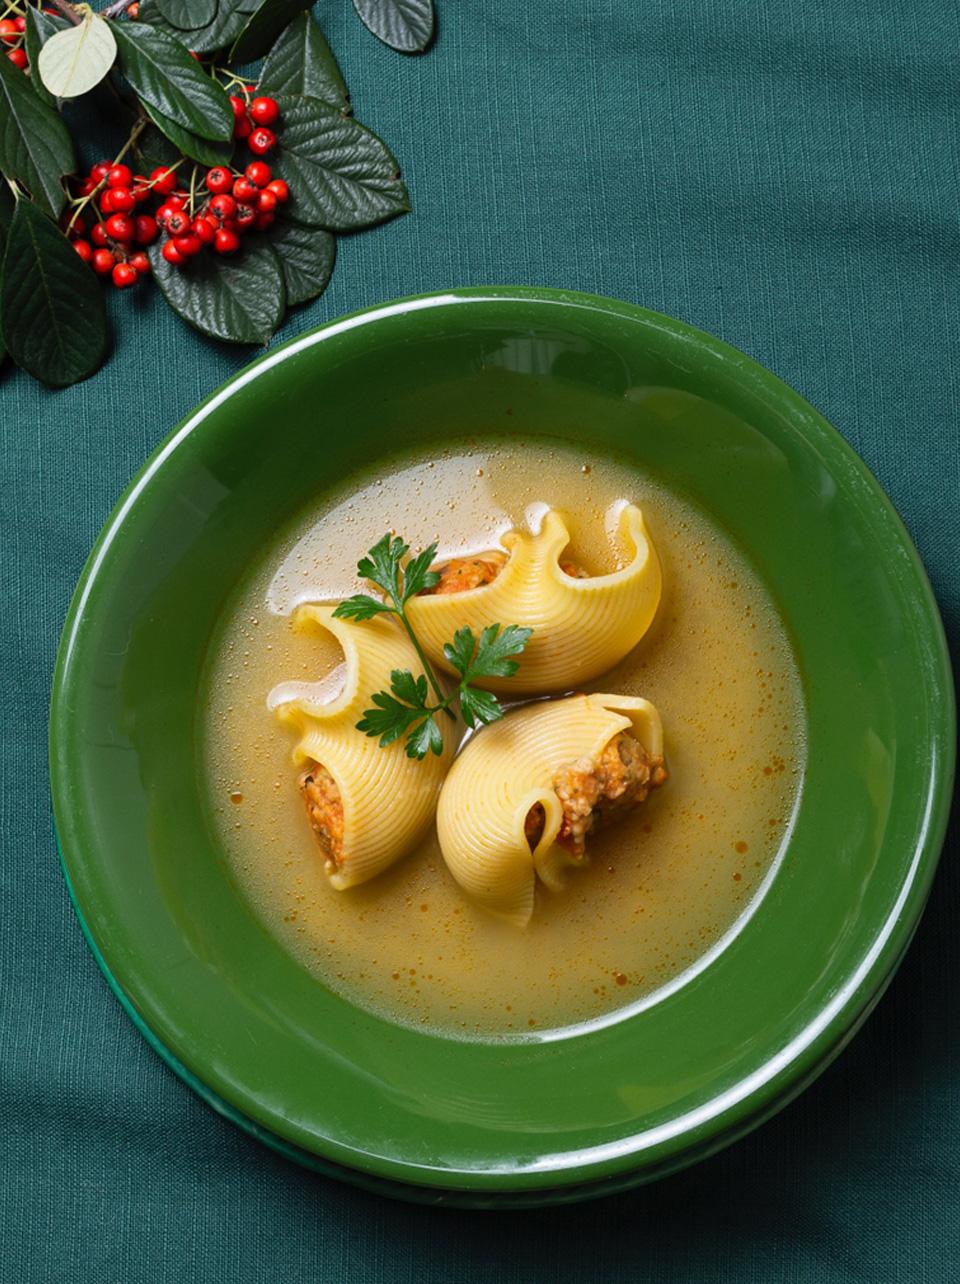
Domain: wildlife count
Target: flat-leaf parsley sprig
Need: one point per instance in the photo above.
(406, 709)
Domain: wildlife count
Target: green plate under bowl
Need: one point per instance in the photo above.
(551, 1119)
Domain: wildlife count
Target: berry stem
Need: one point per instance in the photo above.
(68, 11)
(134, 134)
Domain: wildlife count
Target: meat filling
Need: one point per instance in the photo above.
(463, 573)
(592, 792)
(324, 810)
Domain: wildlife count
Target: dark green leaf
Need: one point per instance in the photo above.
(389, 720)
(40, 27)
(238, 299)
(341, 176)
(188, 15)
(360, 607)
(263, 26)
(306, 256)
(425, 738)
(164, 75)
(404, 25)
(459, 653)
(495, 648)
(410, 690)
(6, 211)
(301, 62)
(382, 564)
(203, 150)
(35, 146)
(218, 34)
(51, 305)
(417, 574)
(479, 706)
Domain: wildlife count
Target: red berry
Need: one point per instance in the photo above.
(194, 55)
(258, 173)
(106, 202)
(223, 207)
(124, 274)
(188, 245)
(147, 229)
(171, 253)
(133, 10)
(76, 228)
(163, 180)
(8, 31)
(242, 127)
(20, 23)
(103, 261)
(205, 229)
(84, 249)
(219, 179)
(86, 187)
(121, 199)
(263, 221)
(266, 203)
(139, 262)
(178, 224)
(279, 189)
(142, 190)
(98, 234)
(100, 171)
(264, 110)
(262, 141)
(244, 217)
(120, 176)
(226, 242)
(19, 58)
(244, 190)
(239, 106)
(121, 227)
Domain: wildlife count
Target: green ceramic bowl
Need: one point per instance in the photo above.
(479, 1123)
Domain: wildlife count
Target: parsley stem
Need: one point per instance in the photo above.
(427, 667)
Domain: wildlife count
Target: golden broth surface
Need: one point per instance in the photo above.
(664, 887)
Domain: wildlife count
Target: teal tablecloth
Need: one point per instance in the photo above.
(783, 174)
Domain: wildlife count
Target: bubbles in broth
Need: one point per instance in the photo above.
(664, 886)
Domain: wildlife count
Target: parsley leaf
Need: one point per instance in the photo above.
(417, 574)
(409, 689)
(382, 565)
(360, 607)
(479, 706)
(425, 737)
(488, 657)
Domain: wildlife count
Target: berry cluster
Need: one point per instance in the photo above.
(236, 203)
(11, 33)
(252, 121)
(214, 213)
(115, 246)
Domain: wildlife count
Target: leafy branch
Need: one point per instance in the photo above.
(406, 709)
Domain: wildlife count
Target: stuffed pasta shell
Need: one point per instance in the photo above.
(521, 799)
(583, 624)
(367, 805)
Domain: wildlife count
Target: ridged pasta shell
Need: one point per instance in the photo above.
(508, 767)
(582, 627)
(389, 800)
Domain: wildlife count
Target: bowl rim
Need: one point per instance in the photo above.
(784, 1074)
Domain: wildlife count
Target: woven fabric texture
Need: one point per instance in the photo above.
(784, 175)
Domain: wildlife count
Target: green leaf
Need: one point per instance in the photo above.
(301, 62)
(306, 255)
(459, 653)
(202, 150)
(389, 720)
(417, 574)
(263, 27)
(360, 607)
(490, 656)
(425, 738)
(73, 61)
(40, 27)
(188, 15)
(341, 175)
(7, 204)
(479, 707)
(404, 25)
(52, 314)
(230, 20)
(410, 690)
(35, 146)
(382, 565)
(164, 75)
(238, 299)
